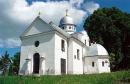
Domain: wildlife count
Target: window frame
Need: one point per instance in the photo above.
(36, 43)
(78, 54)
(70, 27)
(74, 56)
(103, 63)
(62, 45)
(93, 64)
(85, 41)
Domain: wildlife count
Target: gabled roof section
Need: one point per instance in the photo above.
(58, 29)
(36, 27)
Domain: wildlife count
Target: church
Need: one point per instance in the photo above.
(48, 49)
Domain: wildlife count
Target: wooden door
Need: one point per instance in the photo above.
(36, 63)
(63, 66)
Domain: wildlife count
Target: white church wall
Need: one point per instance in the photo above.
(77, 62)
(59, 53)
(70, 57)
(103, 68)
(88, 67)
(45, 49)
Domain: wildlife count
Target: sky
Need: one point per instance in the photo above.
(17, 15)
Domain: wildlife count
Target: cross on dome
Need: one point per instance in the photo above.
(39, 13)
(67, 12)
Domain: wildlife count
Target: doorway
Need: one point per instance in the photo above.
(36, 63)
(63, 66)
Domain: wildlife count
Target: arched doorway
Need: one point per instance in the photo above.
(36, 63)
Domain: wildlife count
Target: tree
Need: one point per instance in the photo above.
(111, 28)
(14, 67)
(5, 63)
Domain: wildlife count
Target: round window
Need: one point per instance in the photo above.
(37, 43)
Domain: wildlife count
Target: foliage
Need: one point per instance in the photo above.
(111, 28)
(104, 78)
(14, 67)
(9, 65)
(5, 63)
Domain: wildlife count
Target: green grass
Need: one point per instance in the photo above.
(105, 78)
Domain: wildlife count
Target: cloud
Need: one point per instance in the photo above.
(16, 15)
(77, 3)
(1, 43)
(49, 11)
(91, 6)
(10, 43)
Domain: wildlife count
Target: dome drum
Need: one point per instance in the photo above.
(67, 24)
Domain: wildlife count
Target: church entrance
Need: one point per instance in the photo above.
(36, 63)
(63, 66)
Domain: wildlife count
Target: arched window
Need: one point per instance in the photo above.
(78, 54)
(92, 64)
(62, 45)
(103, 63)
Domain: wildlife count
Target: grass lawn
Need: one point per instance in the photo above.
(121, 77)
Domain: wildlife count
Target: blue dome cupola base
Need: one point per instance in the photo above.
(67, 24)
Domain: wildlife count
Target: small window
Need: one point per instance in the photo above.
(36, 43)
(89, 43)
(78, 54)
(74, 56)
(103, 63)
(92, 64)
(85, 42)
(69, 27)
(62, 45)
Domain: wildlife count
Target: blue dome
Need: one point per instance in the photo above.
(66, 20)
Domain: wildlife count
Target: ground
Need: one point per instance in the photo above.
(120, 77)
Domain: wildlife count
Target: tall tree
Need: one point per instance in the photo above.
(14, 67)
(111, 28)
(5, 63)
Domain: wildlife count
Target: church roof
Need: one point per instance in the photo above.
(84, 32)
(65, 33)
(58, 29)
(79, 35)
(49, 27)
(36, 27)
(66, 20)
(97, 49)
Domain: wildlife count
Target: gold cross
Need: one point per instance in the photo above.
(66, 12)
(39, 13)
